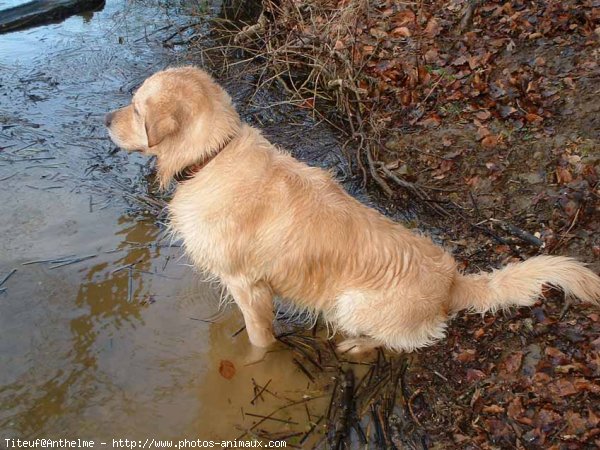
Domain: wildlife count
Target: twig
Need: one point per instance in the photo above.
(179, 30)
(566, 233)
(9, 177)
(310, 430)
(238, 331)
(342, 425)
(201, 320)
(272, 418)
(52, 260)
(422, 196)
(40, 158)
(304, 370)
(410, 407)
(263, 389)
(5, 279)
(298, 402)
(518, 232)
(130, 285)
(73, 261)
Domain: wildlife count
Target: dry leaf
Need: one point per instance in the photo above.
(513, 362)
(226, 369)
(483, 115)
(378, 33)
(490, 141)
(474, 375)
(404, 17)
(465, 355)
(533, 118)
(433, 27)
(482, 132)
(493, 409)
(401, 31)
(563, 175)
(446, 141)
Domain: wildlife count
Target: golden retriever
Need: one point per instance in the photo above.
(268, 225)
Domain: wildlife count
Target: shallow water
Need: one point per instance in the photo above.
(99, 337)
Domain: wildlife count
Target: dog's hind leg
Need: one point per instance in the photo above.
(256, 303)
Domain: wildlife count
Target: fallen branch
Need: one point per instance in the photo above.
(518, 232)
(342, 424)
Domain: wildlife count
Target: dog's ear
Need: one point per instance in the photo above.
(161, 124)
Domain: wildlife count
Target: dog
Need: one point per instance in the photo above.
(268, 225)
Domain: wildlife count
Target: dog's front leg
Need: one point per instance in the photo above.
(256, 302)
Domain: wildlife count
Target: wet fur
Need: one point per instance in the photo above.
(268, 225)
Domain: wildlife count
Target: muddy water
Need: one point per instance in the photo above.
(99, 330)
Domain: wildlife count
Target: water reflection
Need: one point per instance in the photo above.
(117, 353)
(68, 362)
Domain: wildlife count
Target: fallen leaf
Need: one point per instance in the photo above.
(592, 418)
(475, 375)
(446, 141)
(482, 132)
(490, 141)
(563, 175)
(308, 103)
(226, 369)
(459, 61)
(432, 121)
(506, 111)
(581, 384)
(401, 31)
(548, 419)
(515, 408)
(555, 353)
(431, 55)
(483, 115)
(496, 90)
(562, 388)
(465, 355)
(403, 17)
(533, 118)
(433, 27)
(499, 430)
(575, 423)
(378, 33)
(512, 362)
(479, 333)
(493, 409)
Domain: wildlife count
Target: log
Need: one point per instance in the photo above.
(40, 12)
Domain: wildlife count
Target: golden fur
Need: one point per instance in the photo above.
(268, 225)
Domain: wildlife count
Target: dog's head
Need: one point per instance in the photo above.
(180, 115)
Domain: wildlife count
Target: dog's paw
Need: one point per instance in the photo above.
(262, 338)
(357, 346)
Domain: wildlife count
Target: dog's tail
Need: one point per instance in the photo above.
(521, 284)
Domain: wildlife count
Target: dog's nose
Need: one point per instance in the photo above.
(108, 119)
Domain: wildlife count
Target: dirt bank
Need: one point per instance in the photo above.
(480, 119)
